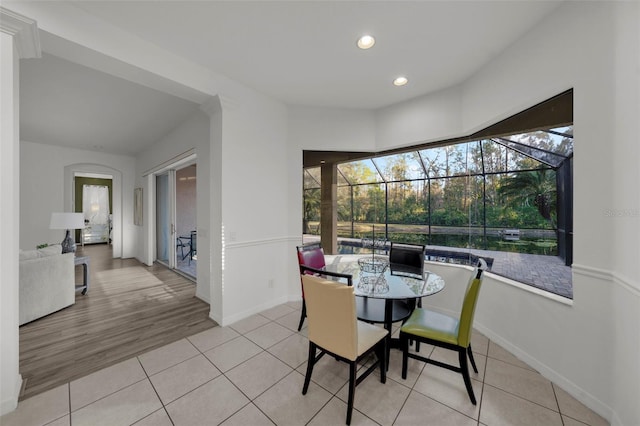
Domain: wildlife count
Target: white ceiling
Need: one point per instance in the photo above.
(300, 52)
(66, 104)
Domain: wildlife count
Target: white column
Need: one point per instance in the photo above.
(19, 39)
(210, 228)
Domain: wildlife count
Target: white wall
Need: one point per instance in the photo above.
(210, 224)
(10, 379)
(43, 190)
(331, 129)
(624, 213)
(254, 200)
(427, 118)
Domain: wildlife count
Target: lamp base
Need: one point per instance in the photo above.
(68, 244)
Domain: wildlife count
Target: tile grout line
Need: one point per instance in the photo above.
(484, 376)
(555, 395)
(440, 402)
(164, 407)
(263, 350)
(69, 391)
(224, 373)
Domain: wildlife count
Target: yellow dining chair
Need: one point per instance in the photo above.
(446, 332)
(334, 329)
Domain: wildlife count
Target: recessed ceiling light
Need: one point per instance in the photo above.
(366, 42)
(400, 81)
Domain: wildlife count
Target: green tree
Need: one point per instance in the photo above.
(311, 208)
(537, 187)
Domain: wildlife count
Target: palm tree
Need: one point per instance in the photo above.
(311, 208)
(534, 186)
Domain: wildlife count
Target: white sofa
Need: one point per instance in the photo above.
(47, 282)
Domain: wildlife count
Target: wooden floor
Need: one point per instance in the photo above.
(130, 309)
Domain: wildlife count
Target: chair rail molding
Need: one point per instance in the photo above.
(606, 275)
(589, 271)
(24, 31)
(255, 243)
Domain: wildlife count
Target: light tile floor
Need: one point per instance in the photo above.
(252, 372)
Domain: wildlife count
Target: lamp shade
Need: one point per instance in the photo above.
(67, 221)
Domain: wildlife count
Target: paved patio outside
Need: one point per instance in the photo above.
(548, 273)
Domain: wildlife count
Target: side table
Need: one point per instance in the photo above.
(84, 261)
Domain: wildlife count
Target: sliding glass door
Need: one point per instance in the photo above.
(165, 212)
(186, 221)
(176, 231)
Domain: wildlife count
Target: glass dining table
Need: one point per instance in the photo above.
(385, 293)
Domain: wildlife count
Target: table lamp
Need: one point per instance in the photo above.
(67, 221)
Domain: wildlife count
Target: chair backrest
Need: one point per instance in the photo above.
(331, 312)
(409, 257)
(465, 325)
(313, 257)
(327, 275)
(194, 240)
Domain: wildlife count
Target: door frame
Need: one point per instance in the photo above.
(184, 161)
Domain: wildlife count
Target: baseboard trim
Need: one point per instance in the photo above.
(255, 310)
(9, 404)
(567, 385)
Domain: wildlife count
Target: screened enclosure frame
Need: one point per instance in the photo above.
(549, 149)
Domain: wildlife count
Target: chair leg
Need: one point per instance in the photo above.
(464, 369)
(303, 315)
(404, 347)
(310, 362)
(352, 389)
(381, 353)
(473, 361)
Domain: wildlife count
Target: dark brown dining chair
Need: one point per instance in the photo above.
(407, 259)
